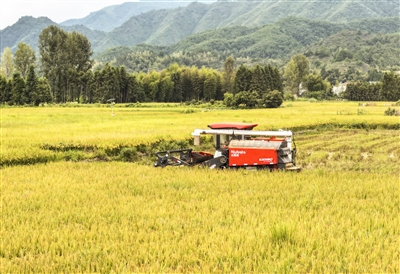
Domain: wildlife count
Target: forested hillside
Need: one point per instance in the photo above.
(169, 26)
(330, 44)
(166, 27)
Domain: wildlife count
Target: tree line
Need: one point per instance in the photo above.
(65, 73)
(175, 84)
(388, 89)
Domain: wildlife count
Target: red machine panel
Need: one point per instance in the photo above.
(232, 126)
(248, 156)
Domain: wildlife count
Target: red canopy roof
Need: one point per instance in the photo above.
(232, 126)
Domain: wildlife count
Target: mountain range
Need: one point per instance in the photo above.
(362, 44)
(110, 17)
(254, 28)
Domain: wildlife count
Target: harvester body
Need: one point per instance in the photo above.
(237, 146)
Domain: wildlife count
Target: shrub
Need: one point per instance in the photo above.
(228, 99)
(288, 96)
(188, 111)
(129, 154)
(390, 112)
(272, 99)
(245, 99)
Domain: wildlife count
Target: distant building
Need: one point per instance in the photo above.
(339, 88)
(301, 89)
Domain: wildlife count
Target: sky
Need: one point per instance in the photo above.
(57, 10)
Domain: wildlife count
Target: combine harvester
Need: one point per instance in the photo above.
(237, 146)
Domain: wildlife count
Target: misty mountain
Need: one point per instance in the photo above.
(110, 17)
(168, 27)
(27, 29)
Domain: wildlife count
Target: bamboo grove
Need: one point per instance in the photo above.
(65, 73)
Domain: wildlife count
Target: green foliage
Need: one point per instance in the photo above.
(188, 111)
(391, 112)
(386, 90)
(288, 96)
(31, 87)
(24, 58)
(72, 81)
(43, 91)
(18, 90)
(390, 87)
(317, 88)
(275, 42)
(245, 99)
(343, 54)
(272, 99)
(295, 71)
(129, 154)
(65, 58)
(242, 79)
(363, 50)
(229, 71)
(228, 99)
(7, 64)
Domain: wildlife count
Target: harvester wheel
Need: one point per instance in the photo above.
(222, 160)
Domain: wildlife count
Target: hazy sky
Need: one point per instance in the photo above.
(57, 10)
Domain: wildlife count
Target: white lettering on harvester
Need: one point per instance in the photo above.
(265, 159)
(237, 153)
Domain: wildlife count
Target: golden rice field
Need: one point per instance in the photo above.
(71, 201)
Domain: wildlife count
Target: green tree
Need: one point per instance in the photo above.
(109, 84)
(228, 99)
(245, 99)
(18, 96)
(5, 89)
(242, 79)
(187, 85)
(197, 83)
(314, 82)
(175, 74)
(43, 90)
(124, 85)
(31, 84)
(24, 58)
(150, 84)
(390, 87)
(343, 54)
(258, 81)
(63, 56)
(166, 88)
(269, 78)
(7, 64)
(272, 99)
(228, 74)
(295, 71)
(52, 50)
(210, 86)
(374, 75)
(78, 63)
(276, 80)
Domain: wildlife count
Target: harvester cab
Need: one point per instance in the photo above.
(237, 145)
